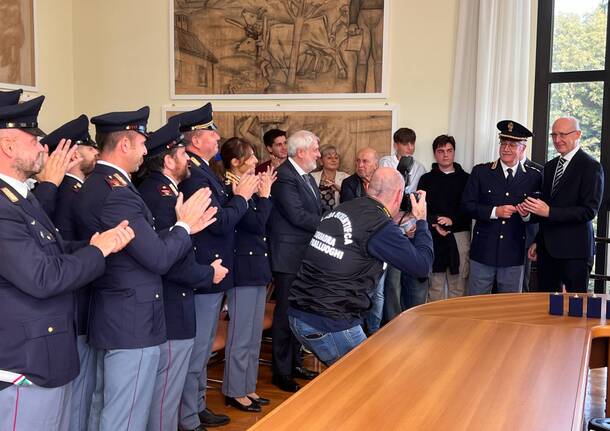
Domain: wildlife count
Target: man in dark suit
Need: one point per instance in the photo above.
(76, 133)
(294, 219)
(572, 191)
(39, 271)
(127, 323)
(355, 185)
(167, 166)
(214, 243)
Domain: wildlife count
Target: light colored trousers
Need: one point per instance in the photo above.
(456, 283)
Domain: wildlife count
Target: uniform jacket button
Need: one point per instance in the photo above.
(503, 221)
(250, 253)
(50, 329)
(183, 294)
(156, 295)
(216, 256)
(507, 194)
(195, 248)
(501, 236)
(265, 254)
(264, 238)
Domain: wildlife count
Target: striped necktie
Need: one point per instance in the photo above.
(558, 173)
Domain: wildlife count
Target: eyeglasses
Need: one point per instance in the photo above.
(561, 135)
(510, 144)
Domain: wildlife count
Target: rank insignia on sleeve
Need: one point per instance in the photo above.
(165, 190)
(195, 161)
(9, 194)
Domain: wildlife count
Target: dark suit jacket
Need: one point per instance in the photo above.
(568, 233)
(39, 272)
(351, 188)
(127, 303)
(294, 219)
(186, 275)
(215, 241)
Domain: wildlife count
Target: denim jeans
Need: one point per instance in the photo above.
(374, 316)
(414, 291)
(327, 346)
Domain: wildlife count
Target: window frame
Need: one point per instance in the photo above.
(544, 78)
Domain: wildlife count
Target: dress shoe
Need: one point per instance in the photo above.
(210, 419)
(260, 400)
(304, 373)
(254, 407)
(286, 383)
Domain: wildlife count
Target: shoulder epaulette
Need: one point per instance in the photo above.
(9, 194)
(195, 161)
(116, 180)
(165, 190)
(76, 187)
(494, 165)
(532, 167)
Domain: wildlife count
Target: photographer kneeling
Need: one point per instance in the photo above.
(344, 261)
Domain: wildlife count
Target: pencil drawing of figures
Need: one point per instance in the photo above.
(271, 47)
(17, 42)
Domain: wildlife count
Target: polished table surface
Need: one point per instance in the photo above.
(493, 362)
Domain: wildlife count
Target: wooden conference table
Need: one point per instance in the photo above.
(496, 362)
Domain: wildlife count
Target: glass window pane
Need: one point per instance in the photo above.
(583, 101)
(579, 35)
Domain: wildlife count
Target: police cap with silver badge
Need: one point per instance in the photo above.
(22, 116)
(122, 121)
(198, 119)
(513, 131)
(76, 130)
(10, 97)
(164, 139)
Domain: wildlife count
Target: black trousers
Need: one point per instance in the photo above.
(552, 272)
(285, 347)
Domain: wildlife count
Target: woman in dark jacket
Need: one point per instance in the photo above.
(251, 274)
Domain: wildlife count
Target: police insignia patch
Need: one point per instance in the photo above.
(115, 181)
(195, 161)
(9, 194)
(165, 190)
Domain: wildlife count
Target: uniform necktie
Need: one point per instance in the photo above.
(306, 178)
(509, 177)
(558, 173)
(30, 197)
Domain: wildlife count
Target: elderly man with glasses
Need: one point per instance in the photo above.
(492, 197)
(572, 191)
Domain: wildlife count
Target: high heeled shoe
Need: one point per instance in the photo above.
(260, 400)
(252, 408)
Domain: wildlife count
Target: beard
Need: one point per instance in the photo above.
(184, 173)
(29, 168)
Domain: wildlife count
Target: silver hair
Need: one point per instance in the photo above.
(300, 140)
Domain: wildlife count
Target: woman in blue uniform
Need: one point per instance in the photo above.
(251, 274)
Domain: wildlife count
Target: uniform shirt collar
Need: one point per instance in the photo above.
(104, 162)
(21, 187)
(506, 167)
(74, 176)
(171, 180)
(297, 167)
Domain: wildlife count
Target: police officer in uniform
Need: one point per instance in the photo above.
(39, 271)
(76, 132)
(167, 165)
(216, 242)
(492, 192)
(127, 323)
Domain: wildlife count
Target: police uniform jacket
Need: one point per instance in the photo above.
(160, 195)
(127, 302)
(63, 218)
(498, 242)
(46, 192)
(215, 241)
(251, 266)
(39, 272)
